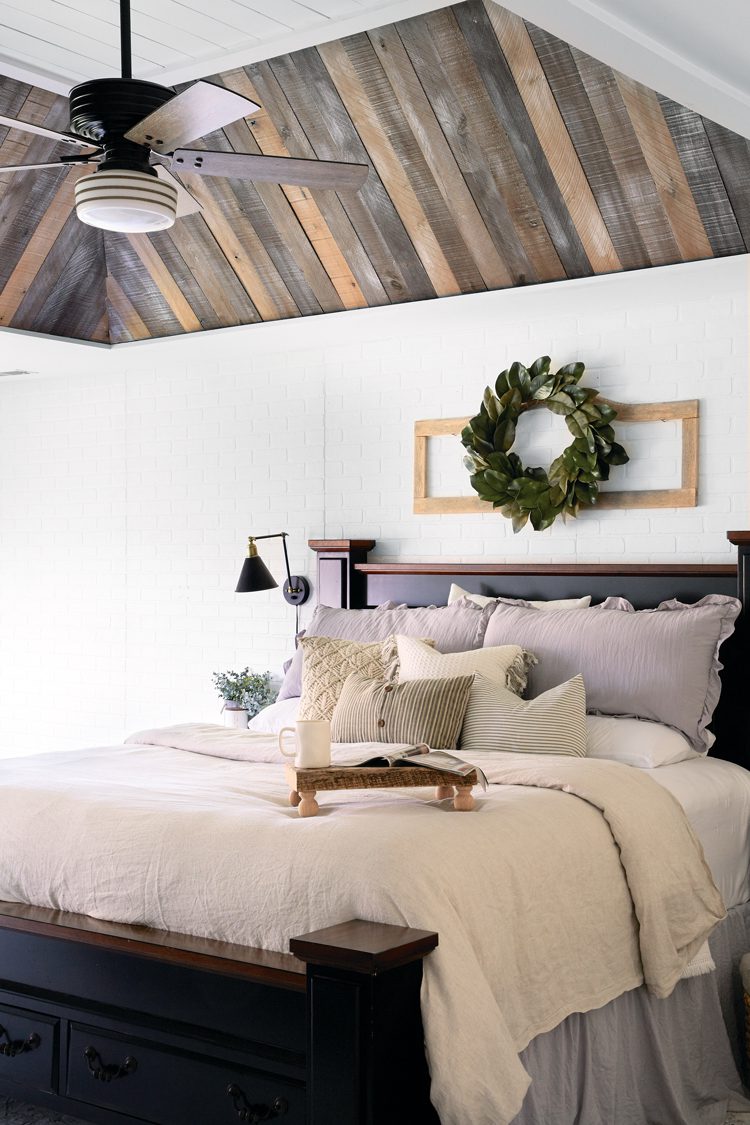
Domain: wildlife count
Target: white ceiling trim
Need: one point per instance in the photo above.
(615, 41)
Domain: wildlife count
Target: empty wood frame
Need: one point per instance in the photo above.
(686, 496)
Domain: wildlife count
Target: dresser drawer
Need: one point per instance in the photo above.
(28, 1048)
(169, 1086)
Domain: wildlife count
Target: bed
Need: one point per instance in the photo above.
(117, 1021)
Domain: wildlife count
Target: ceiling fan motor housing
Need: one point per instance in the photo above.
(104, 109)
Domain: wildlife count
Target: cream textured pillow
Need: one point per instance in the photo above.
(327, 661)
(506, 664)
(457, 592)
(553, 723)
(430, 711)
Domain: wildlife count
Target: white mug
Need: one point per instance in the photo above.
(313, 743)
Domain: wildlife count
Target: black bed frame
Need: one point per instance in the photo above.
(118, 1024)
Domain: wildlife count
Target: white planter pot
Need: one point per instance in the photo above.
(234, 717)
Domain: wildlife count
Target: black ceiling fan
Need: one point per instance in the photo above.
(134, 135)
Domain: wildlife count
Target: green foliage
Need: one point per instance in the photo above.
(572, 480)
(250, 690)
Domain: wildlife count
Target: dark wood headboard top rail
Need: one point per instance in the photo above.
(718, 570)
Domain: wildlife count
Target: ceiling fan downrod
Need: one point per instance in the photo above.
(125, 46)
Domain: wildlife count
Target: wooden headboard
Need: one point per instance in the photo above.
(346, 578)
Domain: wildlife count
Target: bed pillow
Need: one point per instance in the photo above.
(636, 742)
(506, 665)
(430, 711)
(660, 664)
(453, 628)
(553, 723)
(327, 661)
(457, 592)
(272, 718)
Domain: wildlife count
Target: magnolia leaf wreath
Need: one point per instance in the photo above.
(572, 480)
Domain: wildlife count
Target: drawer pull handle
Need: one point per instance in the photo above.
(12, 1047)
(106, 1072)
(255, 1113)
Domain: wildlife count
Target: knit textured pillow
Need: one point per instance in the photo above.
(327, 661)
(430, 711)
(553, 723)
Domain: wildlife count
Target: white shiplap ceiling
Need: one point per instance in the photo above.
(56, 43)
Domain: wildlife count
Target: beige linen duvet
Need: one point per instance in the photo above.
(546, 902)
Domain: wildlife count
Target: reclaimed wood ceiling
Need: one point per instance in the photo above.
(499, 156)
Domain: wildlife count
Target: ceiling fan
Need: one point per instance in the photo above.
(134, 133)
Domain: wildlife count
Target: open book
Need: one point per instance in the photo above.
(421, 755)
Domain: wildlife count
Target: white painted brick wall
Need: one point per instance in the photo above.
(130, 478)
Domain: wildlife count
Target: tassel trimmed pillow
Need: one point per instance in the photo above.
(505, 664)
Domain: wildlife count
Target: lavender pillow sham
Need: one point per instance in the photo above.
(453, 628)
(660, 664)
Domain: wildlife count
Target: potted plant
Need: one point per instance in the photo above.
(244, 694)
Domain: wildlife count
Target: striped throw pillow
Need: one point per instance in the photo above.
(552, 723)
(430, 711)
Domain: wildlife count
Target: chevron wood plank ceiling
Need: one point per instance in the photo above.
(499, 156)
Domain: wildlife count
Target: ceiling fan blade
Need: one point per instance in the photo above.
(65, 162)
(41, 131)
(202, 108)
(326, 174)
(187, 204)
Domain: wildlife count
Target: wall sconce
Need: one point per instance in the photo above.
(255, 575)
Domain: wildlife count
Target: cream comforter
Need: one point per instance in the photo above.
(546, 903)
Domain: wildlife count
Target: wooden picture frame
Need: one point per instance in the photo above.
(686, 496)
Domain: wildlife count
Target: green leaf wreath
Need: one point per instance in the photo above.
(572, 480)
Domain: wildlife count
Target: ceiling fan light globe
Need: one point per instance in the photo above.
(126, 201)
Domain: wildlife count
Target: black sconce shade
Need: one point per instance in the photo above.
(254, 576)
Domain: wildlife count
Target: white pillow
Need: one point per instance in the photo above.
(457, 592)
(636, 742)
(280, 714)
(553, 723)
(505, 664)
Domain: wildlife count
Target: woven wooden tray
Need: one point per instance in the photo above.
(305, 783)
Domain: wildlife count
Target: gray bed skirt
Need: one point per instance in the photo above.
(643, 1061)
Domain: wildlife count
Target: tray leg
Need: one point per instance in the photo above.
(308, 805)
(443, 791)
(464, 799)
(294, 798)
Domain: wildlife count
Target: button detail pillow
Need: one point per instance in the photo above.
(430, 711)
(553, 723)
(659, 664)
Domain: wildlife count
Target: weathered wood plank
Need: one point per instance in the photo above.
(126, 324)
(664, 165)
(38, 247)
(553, 136)
(67, 298)
(628, 159)
(703, 176)
(732, 154)
(301, 199)
(371, 209)
(248, 257)
(446, 71)
(474, 23)
(288, 225)
(167, 245)
(212, 272)
(437, 153)
(295, 140)
(167, 285)
(139, 286)
(352, 64)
